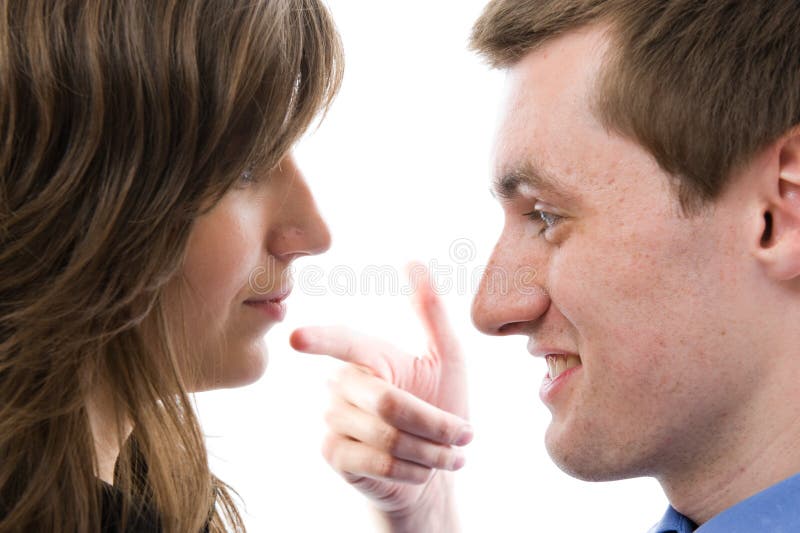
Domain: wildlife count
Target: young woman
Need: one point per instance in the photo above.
(149, 210)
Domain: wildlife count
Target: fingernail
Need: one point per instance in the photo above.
(465, 436)
(459, 461)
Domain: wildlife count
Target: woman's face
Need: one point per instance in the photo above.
(236, 273)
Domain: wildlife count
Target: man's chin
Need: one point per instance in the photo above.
(583, 458)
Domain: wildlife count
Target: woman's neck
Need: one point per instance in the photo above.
(107, 436)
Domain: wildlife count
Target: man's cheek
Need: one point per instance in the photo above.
(586, 289)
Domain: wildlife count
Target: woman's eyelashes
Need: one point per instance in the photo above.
(255, 175)
(247, 176)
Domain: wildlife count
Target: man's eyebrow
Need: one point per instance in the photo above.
(511, 181)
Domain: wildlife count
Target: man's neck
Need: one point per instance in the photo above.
(760, 451)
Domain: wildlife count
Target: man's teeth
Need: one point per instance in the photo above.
(559, 363)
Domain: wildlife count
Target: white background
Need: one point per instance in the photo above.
(400, 169)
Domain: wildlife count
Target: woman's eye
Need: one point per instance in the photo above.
(247, 175)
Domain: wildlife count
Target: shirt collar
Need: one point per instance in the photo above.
(673, 522)
(775, 509)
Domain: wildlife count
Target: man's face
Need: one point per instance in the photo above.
(657, 305)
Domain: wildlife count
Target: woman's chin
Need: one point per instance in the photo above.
(238, 370)
(251, 369)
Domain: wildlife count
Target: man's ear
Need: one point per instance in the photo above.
(779, 249)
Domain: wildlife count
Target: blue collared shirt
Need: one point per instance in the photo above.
(774, 510)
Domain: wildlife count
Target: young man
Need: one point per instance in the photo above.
(649, 169)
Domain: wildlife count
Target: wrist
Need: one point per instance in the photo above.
(433, 512)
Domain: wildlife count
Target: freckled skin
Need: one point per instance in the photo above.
(258, 227)
(674, 321)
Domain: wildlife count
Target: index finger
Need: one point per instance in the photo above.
(348, 346)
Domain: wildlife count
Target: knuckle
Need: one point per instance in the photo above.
(445, 433)
(350, 346)
(388, 407)
(330, 417)
(388, 438)
(443, 458)
(384, 466)
(422, 476)
(329, 449)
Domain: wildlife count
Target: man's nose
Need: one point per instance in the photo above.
(511, 293)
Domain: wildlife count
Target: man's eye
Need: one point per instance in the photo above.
(547, 219)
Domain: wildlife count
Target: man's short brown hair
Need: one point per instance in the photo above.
(703, 85)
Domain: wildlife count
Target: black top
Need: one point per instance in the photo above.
(145, 522)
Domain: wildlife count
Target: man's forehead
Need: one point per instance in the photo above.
(548, 109)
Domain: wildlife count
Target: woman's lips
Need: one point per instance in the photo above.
(273, 305)
(277, 295)
(273, 309)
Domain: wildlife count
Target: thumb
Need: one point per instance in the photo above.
(431, 312)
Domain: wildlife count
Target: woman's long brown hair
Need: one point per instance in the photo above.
(120, 122)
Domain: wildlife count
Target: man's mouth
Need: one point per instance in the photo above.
(557, 364)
